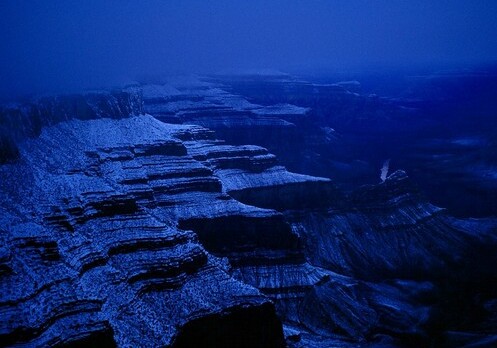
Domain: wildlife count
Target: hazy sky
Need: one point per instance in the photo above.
(54, 45)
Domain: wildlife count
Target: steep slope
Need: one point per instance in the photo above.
(27, 118)
(92, 248)
(129, 231)
(384, 253)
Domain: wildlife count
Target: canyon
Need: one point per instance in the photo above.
(233, 211)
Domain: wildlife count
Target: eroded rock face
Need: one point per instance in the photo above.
(26, 119)
(127, 231)
(92, 248)
(379, 263)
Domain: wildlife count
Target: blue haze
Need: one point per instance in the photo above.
(63, 45)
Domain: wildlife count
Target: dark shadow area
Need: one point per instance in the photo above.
(240, 328)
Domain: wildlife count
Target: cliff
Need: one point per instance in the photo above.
(125, 230)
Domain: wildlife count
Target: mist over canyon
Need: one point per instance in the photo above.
(273, 174)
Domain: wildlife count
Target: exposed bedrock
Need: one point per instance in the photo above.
(91, 249)
(29, 117)
(26, 119)
(252, 175)
(378, 234)
(367, 312)
(128, 231)
(389, 231)
(406, 270)
(384, 266)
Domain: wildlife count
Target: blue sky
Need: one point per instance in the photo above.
(57, 45)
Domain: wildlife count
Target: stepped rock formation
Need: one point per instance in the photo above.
(131, 229)
(92, 244)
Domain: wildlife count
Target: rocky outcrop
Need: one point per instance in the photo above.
(389, 230)
(394, 259)
(26, 119)
(292, 118)
(375, 262)
(438, 126)
(251, 175)
(92, 249)
(125, 230)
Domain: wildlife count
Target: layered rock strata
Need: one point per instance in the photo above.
(92, 249)
(128, 231)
